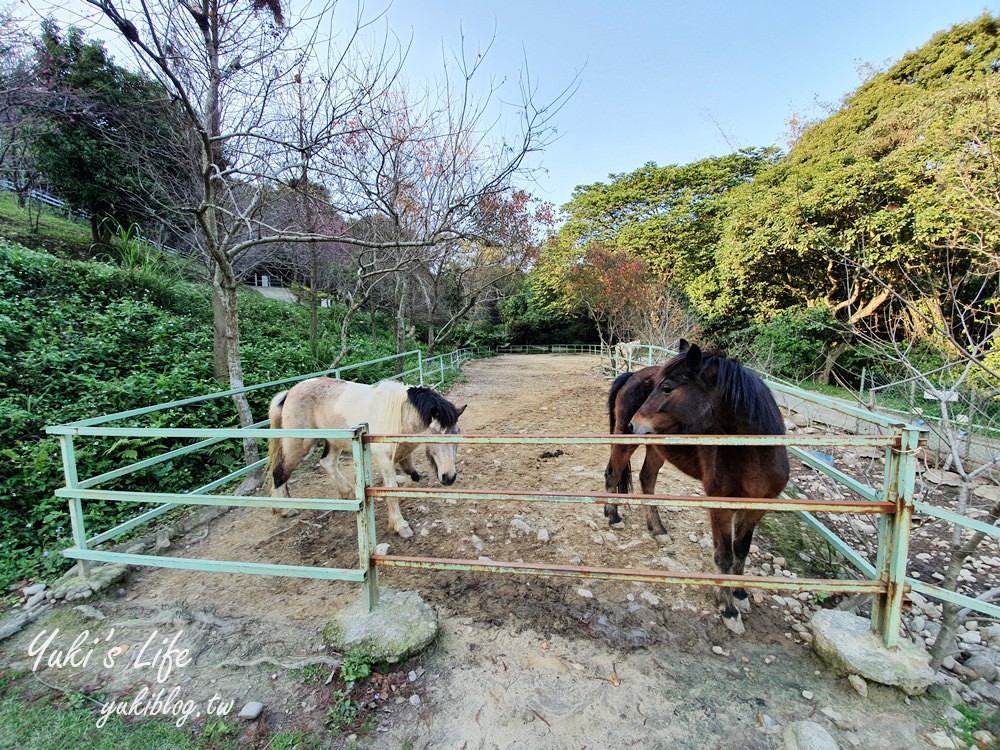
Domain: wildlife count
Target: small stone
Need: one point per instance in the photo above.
(859, 684)
(718, 651)
(35, 600)
(412, 676)
(543, 535)
(251, 710)
(941, 740)
(807, 694)
(414, 700)
(30, 591)
(808, 734)
(585, 593)
(382, 548)
(88, 612)
(972, 637)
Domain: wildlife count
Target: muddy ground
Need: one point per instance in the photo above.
(521, 662)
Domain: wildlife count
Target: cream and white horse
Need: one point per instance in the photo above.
(389, 408)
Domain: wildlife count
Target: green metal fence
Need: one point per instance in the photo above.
(893, 501)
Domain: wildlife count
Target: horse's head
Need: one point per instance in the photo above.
(442, 455)
(682, 401)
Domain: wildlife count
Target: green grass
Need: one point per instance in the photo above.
(52, 727)
(55, 233)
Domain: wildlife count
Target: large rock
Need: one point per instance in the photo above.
(846, 642)
(808, 735)
(401, 625)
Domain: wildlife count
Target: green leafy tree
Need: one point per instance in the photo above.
(101, 142)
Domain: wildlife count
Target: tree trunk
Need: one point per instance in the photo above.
(225, 303)
(400, 326)
(830, 360)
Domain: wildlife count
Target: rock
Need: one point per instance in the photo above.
(414, 700)
(988, 691)
(808, 735)
(163, 539)
(542, 535)
(88, 612)
(400, 625)
(520, 524)
(382, 548)
(859, 684)
(585, 593)
(846, 642)
(989, 492)
(30, 591)
(944, 478)
(973, 637)
(546, 663)
(251, 711)
(941, 740)
(35, 600)
(12, 623)
(983, 666)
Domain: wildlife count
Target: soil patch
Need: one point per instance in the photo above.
(522, 662)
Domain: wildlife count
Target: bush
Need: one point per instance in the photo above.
(792, 344)
(83, 339)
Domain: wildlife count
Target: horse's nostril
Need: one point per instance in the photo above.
(448, 479)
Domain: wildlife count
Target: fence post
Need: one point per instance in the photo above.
(76, 519)
(894, 535)
(420, 366)
(366, 514)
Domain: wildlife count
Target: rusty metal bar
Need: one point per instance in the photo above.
(633, 574)
(686, 501)
(894, 538)
(808, 440)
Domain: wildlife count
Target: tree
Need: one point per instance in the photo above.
(99, 130)
(233, 66)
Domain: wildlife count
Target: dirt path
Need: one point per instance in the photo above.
(522, 662)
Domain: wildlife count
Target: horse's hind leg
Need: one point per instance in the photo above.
(722, 535)
(744, 523)
(647, 480)
(618, 478)
(293, 450)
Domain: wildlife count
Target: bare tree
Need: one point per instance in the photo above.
(235, 67)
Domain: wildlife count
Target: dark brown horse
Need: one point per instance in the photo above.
(701, 393)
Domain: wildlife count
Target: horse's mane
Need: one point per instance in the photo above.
(431, 405)
(745, 395)
(388, 407)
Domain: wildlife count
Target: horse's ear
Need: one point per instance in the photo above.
(693, 358)
(461, 411)
(683, 346)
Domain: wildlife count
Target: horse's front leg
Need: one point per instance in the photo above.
(384, 463)
(405, 462)
(618, 478)
(647, 480)
(722, 535)
(744, 523)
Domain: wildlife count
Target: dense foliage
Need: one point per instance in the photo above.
(82, 340)
(881, 225)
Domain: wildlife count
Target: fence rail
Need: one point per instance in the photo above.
(893, 501)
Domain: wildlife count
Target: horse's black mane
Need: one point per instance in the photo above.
(432, 405)
(743, 391)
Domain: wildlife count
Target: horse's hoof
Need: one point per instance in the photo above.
(405, 531)
(619, 524)
(663, 538)
(289, 512)
(742, 604)
(734, 624)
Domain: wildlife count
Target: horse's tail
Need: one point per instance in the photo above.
(613, 396)
(275, 458)
(624, 486)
